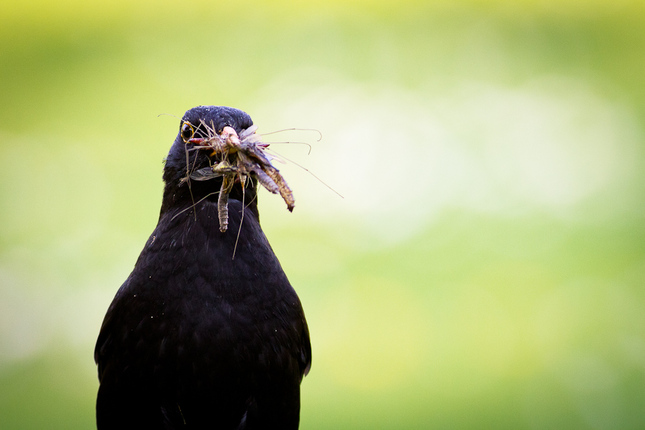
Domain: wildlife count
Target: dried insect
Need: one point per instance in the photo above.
(238, 157)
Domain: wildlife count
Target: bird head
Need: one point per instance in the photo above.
(192, 151)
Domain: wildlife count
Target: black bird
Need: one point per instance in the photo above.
(206, 332)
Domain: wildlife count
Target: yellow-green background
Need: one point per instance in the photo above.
(486, 266)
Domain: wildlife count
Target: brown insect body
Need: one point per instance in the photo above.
(237, 159)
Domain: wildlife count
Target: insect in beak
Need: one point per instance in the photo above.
(236, 160)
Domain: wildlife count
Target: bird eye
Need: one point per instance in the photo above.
(187, 131)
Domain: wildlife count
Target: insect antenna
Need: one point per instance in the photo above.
(311, 173)
(239, 228)
(291, 143)
(188, 172)
(295, 129)
(168, 114)
(193, 205)
(244, 206)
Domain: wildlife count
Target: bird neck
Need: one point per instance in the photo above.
(183, 196)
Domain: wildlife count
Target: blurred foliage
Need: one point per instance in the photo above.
(485, 268)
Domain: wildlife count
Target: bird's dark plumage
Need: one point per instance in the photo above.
(195, 338)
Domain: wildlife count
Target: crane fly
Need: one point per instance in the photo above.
(236, 157)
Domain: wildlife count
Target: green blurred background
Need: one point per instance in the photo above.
(486, 266)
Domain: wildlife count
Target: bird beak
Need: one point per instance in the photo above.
(230, 138)
(227, 141)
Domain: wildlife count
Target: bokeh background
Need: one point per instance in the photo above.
(485, 267)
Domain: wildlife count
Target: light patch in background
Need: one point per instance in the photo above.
(401, 158)
(59, 208)
(26, 335)
(368, 329)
